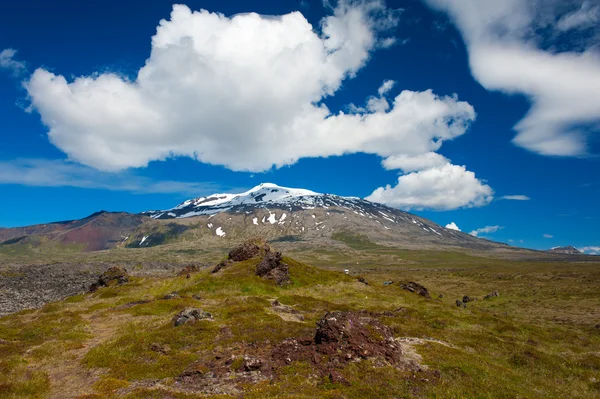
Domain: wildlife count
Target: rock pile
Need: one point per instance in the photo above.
(190, 315)
(340, 338)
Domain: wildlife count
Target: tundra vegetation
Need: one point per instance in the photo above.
(320, 332)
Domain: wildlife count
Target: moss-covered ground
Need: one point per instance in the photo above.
(538, 339)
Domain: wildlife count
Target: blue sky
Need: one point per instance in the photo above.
(95, 114)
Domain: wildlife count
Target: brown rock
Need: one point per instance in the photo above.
(186, 271)
(271, 267)
(492, 294)
(416, 288)
(252, 363)
(190, 315)
(114, 275)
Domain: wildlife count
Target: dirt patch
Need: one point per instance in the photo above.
(286, 312)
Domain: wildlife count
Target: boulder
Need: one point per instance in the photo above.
(492, 294)
(272, 267)
(190, 315)
(416, 288)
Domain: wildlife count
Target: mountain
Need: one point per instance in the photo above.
(273, 212)
(101, 230)
(568, 250)
(290, 214)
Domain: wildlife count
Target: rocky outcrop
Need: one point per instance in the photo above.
(492, 294)
(415, 288)
(190, 315)
(113, 276)
(273, 268)
(248, 250)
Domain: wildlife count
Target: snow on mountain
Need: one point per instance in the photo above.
(264, 195)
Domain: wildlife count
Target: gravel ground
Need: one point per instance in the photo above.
(32, 286)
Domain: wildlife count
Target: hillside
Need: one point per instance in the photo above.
(99, 231)
(296, 215)
(270, 326)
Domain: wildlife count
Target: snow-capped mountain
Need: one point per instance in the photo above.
(262, 196)
(290, 213)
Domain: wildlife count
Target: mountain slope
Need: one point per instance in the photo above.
(101, 230)
(288, 214)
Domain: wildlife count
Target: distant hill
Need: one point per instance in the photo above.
(99, 231)
(568, 250)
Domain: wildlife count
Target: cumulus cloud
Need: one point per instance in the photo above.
(441, 188)
(244, 92)
(590, 250)
(514, 47)
(452, 226)
(486, 230)
(8, 62)
(548, 236)
(58, 173)
(516, 197)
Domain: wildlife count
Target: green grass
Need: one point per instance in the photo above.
(538, 339)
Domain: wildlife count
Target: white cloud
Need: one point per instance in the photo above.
(590, 250)
(408, 163)
(244, 92)
(386, 87)
(58, 173)
(442, 188)
(452, 226)
(486, 230)
(8, 62)
(583, 17)
(548, 236)
(505, 54)
(516, 197)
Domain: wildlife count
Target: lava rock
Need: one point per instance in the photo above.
(416, 288)
(249, 249)
(114, 275)
(172, 295)
(252, 363)
(272, 267)
(492, 294)
(190, 315)
(186, 271)
(467, 299)
(221, 265)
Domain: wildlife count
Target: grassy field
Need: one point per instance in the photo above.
(539, 339)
